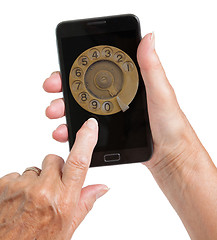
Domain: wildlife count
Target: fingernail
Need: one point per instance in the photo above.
(92, 123)
(153, 40)
(102, 192)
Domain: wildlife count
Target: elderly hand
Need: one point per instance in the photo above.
(52, 204)
(180, 164)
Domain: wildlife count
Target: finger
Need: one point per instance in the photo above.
(76, 166)
(88, 197)
(61, 133)
(8, 177)
(166, 118)
(51, 168)
(56, 109)
(53, 84)
(157, 85)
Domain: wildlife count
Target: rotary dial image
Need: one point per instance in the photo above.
(104, 80)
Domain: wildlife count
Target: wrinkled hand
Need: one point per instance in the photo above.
(52, 205)
(180, 164)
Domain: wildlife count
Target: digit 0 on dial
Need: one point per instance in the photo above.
(104, 80)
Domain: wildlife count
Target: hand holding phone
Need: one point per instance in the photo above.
(178, 153)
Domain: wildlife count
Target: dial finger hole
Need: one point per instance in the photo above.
(83, 61)
(77, 73)
(94, 105)
(94, 54)
(107, 52)
(83, 97)
(77, 86)
(119, 57)
(128, 66)
(107, 107)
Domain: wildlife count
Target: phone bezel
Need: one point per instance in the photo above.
(104, 25)
(84, 27)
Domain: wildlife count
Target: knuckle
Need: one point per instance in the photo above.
(40, 194)
(43, 195)
(78, 162)
(167, 94)
(50, 158)
(7, 179)
(11, 175)
(167, 97)
(14, 187)
(14, 174)
(43, 192)
(156, 65)
(171, 93)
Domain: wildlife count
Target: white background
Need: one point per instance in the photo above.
(186, 38)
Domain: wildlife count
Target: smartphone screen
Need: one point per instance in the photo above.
(124, 133)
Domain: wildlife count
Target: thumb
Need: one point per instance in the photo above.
(159, 90)
(166, 117)
(88, 197)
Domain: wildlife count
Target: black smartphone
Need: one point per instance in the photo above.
(101, 79)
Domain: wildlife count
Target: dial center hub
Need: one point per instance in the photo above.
(103, 79)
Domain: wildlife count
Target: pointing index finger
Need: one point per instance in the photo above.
(77, 164)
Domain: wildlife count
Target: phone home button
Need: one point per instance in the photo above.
(113, 157)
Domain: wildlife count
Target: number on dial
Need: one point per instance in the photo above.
(119, 57)
(107, 52)
(107, 106)
(77, 72)
(128, 66)
(83, 60)
(94, 104)
(83, 97)
(94, 54)
(77, 85)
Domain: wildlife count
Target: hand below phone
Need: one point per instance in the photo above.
(101, 79)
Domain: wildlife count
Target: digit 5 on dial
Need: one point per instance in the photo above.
(101, 79)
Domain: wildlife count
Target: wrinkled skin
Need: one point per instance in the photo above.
(180, 165)
(51, 205)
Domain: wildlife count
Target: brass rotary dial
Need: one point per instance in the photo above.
(104, 80)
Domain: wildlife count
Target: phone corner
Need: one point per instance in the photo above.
(134, 17)
(59, 28)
